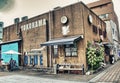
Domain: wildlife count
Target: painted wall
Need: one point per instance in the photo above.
(6, 47)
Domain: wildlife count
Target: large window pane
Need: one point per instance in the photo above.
(70, 50)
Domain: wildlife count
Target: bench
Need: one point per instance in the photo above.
(70, 68)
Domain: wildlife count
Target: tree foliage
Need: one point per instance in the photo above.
(95, 55)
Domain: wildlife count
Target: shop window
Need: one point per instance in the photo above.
(55, 50)
(31, 59)
(103, 16)
(25, 60)
(70, 50)
(41, 60)
(36, 60)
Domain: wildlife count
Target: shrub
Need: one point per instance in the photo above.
(95, 55)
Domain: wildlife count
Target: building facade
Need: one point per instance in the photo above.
(1, 30)
(105, 10)
(58, 36)
(32, 33)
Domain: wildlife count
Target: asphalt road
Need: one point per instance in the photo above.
(31, 79)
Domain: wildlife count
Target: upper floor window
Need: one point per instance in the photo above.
(27, 26)
(100, 31)
(105, 34)
(103, 16)
(36, 23)
(39, 22)
(30, 26)
(95, 29)
(33, 25)
(44, 21)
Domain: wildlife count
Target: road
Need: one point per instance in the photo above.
(30, 79)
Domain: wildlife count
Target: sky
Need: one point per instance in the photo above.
(11, 9)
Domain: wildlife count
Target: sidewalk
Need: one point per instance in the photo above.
(110, 75)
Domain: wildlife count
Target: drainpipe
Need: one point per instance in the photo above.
(50, 57)
(84, 31)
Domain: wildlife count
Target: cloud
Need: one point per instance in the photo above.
(6, 5)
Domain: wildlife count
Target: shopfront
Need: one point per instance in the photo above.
(7, 46)
(34, 58)
(64, 47)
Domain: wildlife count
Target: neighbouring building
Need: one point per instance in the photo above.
(1, 30)
(1, 33)
(105, 10)
(55, 37)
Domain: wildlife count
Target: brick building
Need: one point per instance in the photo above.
(105, 10)
(47, 39)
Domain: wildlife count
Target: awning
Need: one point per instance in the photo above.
(62, 41)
